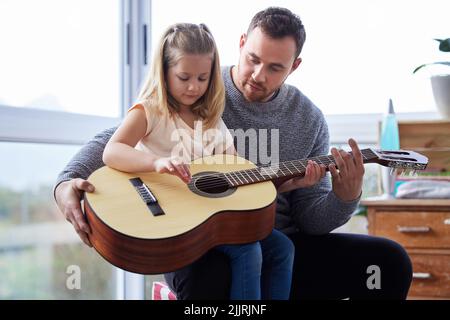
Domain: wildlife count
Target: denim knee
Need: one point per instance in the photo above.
(249, 251)
(284, 244)
(289, 246)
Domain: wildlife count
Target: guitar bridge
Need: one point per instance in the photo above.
(147, 196)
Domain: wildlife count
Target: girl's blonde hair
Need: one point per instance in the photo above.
(178, 40)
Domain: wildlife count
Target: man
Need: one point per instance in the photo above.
(327, 265)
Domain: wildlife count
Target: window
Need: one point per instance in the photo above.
(61, 55)
(69, 70)
(357, 55)
(38, 248)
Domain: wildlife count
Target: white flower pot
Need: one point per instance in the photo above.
(440, 85)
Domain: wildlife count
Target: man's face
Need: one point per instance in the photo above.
(264, 64)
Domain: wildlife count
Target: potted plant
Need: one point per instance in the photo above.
(440, 84)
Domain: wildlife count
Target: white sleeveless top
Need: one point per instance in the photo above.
(170, 136)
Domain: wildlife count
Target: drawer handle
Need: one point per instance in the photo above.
(421, 275)
(413, 229)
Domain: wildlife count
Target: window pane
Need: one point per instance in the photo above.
(61, 55)
(40, 252)
(357, 54)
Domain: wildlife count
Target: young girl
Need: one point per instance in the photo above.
(185, 88)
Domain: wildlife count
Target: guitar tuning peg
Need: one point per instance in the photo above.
(392, 171)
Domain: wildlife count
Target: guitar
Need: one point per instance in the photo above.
(153, 223)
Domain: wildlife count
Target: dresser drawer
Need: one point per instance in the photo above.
(414, 229)
(431, 275)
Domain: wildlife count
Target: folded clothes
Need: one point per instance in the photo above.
(424, 189)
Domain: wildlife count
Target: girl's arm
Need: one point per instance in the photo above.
(231, 150)
(120, 153)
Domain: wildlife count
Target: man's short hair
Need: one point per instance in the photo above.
(278, 23)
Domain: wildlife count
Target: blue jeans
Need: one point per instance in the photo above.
(261, 270)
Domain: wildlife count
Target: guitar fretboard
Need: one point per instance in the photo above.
(290, 168)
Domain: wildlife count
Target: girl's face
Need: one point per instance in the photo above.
(188, 79)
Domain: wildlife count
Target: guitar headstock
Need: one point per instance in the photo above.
(399, 159)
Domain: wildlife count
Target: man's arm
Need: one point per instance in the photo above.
(71, 182)
(87, 159)
(318, 209)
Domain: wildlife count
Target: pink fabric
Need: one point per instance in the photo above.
(160, 291)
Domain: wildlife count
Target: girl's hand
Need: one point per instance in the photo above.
(173, 165)
(314, 173)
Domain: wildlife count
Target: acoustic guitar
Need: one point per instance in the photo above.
(153, 223)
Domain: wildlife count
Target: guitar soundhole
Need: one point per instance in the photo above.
(210, 184)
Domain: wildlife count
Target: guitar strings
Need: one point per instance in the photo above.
(220, 180)
(216, 179)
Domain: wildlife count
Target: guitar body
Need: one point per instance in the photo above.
(127, 232)
(152, 223)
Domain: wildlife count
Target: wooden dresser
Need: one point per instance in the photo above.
(422, 227)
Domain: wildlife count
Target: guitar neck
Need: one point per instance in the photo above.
(286, 169)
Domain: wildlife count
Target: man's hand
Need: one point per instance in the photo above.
(314, 172)
(348, 178)
(68, 198)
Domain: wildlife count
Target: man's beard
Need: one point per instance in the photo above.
(261, 95)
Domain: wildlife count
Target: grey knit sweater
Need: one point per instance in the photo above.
(299, 131)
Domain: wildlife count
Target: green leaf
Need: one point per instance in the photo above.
(444, 45)
(419, 67)
(428, 64)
